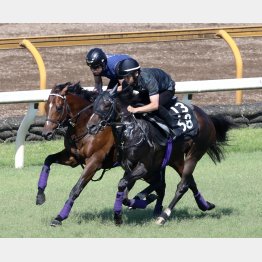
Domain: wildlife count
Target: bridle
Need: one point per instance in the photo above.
(60, 123)
(106, 118)
(66, 112)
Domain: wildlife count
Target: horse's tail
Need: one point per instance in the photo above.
(222, 125)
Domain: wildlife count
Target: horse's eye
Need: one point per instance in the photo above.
(59, 108)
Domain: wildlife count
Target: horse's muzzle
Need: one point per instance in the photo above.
(48, 135)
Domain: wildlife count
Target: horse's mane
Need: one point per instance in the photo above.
(59, 87)
(155, 133)
(77, 89)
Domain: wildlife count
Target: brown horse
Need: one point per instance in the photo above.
(142, 154)
(68, 105)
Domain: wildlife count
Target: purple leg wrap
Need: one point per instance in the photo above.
(64, 213)
(167, 153)
(118, 202)
(42, 182)
(139, 203)
(201, 202)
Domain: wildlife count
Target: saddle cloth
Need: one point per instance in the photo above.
(185, 122)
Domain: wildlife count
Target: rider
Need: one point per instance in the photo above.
(158, 85)
(104, 65)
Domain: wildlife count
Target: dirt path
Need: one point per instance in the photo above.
(183, 60)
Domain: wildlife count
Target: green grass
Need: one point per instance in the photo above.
(234, 186)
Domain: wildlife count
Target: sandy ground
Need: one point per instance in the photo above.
(183, 60)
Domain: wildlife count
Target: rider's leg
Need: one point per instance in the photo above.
(165, 101)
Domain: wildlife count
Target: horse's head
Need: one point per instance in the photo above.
(56, 110)
(103, 111)
(64, 105)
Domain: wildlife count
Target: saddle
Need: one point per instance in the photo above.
(185, 122)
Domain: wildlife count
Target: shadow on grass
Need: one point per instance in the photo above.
(146, 216)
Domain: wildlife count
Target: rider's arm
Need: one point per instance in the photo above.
(152, 106)
(98, 84)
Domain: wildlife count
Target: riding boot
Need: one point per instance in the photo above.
(164, 114)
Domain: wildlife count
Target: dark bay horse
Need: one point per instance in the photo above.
(142, 155)
(68, 106)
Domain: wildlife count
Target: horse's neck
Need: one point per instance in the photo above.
(77, 104)
(133, 127)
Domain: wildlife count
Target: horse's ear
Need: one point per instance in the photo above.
(62, 85)
(64, 91)
(78, 88)
(113, 92)
(77, 84)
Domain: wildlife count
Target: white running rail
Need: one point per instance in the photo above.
(186, 87)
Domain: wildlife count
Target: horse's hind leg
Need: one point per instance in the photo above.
(201, 202)
(61, 157)
(145, 192)
(182, 187)
(160, 190)
(159, 187)
(144, 197)
(187, 181)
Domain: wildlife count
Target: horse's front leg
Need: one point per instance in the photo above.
(89, 171)
(62, 158)
(129, 178)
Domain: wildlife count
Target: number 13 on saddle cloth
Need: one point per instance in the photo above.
(185, 121)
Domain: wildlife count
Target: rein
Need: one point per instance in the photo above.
(72, 121)
(106, 117)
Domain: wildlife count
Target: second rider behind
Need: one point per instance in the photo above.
(104, 65)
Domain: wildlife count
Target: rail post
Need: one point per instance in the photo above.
(33, 107)
(238, 61)
(41, 67)
(21, 134)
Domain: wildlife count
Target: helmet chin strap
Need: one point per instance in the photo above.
(104, 64)
(135, 77)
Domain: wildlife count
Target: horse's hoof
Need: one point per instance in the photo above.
(118, 219)
(206, 207)
(210, 206)
(40, 199)
(160, 221)
(56, 223)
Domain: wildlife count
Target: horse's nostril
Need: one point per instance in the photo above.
(48, 135)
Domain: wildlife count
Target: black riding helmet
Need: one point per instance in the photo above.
(96, 57)
(127, 67)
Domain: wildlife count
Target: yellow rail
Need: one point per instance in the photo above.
(132, 37)
(238, 60)
(41, 67)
